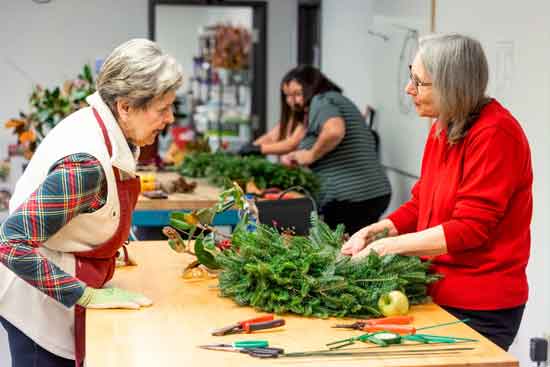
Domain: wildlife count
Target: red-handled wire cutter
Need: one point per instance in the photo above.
(396, 324)
(248, 326)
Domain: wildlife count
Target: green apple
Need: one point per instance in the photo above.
(394, 303)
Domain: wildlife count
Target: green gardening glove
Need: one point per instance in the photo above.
(112, 298)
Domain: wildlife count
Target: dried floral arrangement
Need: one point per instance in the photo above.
(47, 108)
(232, 47)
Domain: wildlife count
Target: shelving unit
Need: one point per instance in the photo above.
(219, 99)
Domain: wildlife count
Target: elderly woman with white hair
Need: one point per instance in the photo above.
(470, 211)
(72, 208)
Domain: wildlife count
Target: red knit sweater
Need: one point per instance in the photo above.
(479, 190)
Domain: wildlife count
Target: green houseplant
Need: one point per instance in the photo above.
(48, 107)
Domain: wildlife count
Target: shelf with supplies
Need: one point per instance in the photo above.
(218, 99)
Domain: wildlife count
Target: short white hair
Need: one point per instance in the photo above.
(460, 73)
(138, 71)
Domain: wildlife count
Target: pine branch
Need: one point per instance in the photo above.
(307, 276)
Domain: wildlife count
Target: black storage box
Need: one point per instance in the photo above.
(285, 214)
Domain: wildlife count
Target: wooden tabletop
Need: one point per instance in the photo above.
(185, 311)
(205, 195)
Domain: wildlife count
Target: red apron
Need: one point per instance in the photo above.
(96, 267)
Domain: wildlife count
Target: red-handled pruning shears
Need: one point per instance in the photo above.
(248, 326)
(396, 324)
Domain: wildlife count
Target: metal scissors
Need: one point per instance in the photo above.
(254, 348)
(248, 326)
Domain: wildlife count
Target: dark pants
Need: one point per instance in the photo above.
(354, 215)
(499, 326)
(26, 353)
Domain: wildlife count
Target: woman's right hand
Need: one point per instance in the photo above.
(112, 298)
(366, 235)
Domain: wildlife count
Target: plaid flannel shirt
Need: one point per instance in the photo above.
(75, 184)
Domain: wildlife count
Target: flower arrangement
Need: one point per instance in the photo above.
(48, 108)
(232, 47)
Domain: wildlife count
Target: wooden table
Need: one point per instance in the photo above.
(204, 195)
(156, 212)
(184, 312)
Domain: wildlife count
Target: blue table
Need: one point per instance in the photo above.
(155, 213)
(160, 218)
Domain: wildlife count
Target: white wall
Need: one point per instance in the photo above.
(50, 43)
(177, 28)
(344, 59)
(526, 93)
(350, 56)
(237, 16)
(281, 53)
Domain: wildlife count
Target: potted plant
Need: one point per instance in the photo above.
(48, 108)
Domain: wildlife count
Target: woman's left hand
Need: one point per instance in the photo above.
(289, 160)
(381, 247)
(304, 157)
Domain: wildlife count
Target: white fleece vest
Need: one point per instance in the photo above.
(46, 321)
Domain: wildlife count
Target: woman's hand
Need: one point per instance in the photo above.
(366, 235)
(301, 157)
(112, 298)
(304, 157)
(289, 160)
(381, 247)
(429, 242)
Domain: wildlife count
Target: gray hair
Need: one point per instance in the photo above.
(138, 71)
(459, 71)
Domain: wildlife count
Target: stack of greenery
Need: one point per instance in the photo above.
(308, 276)
(221, 169)
(279, 272)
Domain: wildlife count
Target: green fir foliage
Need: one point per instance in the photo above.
(222, 169)
(308, 276)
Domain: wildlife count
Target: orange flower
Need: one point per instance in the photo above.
(14, 123)
(27, 136)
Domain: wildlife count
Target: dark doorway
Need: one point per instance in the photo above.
(309, 32)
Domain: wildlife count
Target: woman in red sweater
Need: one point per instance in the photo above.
(470, 211)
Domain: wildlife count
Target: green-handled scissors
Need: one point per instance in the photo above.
(251, 344)
(239, 344)
(254, 348)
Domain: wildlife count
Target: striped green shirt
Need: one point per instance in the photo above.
(352, 171)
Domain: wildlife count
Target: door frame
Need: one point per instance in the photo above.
(301, 28)
(259, 51)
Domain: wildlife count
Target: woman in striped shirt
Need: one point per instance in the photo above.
(340, 148)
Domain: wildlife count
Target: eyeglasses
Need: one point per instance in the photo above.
(417, 83)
